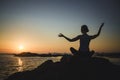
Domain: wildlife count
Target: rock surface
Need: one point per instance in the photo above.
(72, 68)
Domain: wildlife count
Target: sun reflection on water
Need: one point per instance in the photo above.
(20, 64)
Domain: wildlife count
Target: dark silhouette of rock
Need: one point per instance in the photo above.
(72, 68)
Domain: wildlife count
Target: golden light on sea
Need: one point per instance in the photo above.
(20, 64)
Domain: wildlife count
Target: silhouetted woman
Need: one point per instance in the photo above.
(84, 40)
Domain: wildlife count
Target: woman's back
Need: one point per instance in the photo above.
(84, 39)
(84, 43)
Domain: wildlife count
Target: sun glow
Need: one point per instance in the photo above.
(21, 47)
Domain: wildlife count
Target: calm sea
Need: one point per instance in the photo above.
(10, 64)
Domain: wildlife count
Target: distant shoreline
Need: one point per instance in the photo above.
(29, 54)
(111, 55)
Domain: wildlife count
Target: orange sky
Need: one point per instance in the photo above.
(36, 26)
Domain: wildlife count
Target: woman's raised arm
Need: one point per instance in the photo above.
(92, 37)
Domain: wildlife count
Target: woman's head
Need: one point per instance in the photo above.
(84, 29)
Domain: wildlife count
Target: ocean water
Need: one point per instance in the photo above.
(10, 64)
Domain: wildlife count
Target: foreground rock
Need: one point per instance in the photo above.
(72, 68)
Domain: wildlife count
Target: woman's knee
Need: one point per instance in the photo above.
(71, 48)
(74, 51)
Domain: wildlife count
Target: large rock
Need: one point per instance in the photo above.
(72, 68)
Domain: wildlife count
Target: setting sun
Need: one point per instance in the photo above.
(21, 47)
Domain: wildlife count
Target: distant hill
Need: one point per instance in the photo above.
(115, 55)
(29, 54)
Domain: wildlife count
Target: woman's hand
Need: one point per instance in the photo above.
(61, 35)
(102, 25)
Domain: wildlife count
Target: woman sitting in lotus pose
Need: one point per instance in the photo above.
(84, 40)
